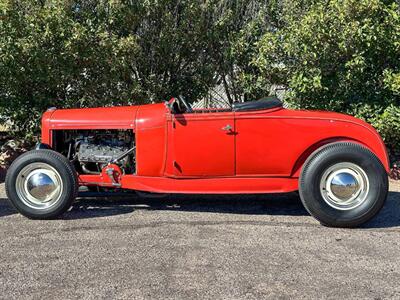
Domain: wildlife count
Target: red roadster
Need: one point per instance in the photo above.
(337, 163)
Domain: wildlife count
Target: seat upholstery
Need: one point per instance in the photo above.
(264, 103)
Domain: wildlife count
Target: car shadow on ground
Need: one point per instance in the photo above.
(287, 204)
(5, 208)
(280, 204)
(389, 216)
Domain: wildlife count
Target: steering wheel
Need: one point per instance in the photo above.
(185, 104)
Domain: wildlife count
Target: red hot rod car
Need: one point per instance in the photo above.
(337, 163)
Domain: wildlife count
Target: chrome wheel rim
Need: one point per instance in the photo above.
(39, 186)
(344, 186)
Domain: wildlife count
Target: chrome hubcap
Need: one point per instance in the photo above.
(39, 186)
(344, 186)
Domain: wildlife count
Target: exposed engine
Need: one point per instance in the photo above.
(92, 150)
(99, 153)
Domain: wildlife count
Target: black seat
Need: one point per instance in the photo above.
(263, 103)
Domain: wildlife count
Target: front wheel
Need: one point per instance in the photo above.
(343, 185)
(41, 184)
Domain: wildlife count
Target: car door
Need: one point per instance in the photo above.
(203, 144)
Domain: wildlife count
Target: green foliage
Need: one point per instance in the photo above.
(338, 54)
(388, 125)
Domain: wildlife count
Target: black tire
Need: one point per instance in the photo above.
(65, 172)
(320, 162)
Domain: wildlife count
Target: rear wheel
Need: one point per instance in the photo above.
(343, 185)
(41, 184)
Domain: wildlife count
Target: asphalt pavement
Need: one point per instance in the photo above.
(198, 247)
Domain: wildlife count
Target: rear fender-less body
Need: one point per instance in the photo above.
(279, 142)
(268, 150)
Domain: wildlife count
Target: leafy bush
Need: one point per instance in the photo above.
(388, 124)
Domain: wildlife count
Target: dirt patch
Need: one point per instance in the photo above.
(11, 148)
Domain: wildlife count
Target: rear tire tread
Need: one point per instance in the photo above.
(369, 214)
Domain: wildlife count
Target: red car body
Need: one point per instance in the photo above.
(211, 151)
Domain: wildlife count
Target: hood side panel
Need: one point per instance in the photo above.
(122, 117)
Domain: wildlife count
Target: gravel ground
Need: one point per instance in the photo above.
(241, 247)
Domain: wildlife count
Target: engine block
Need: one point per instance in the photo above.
(95, 153)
